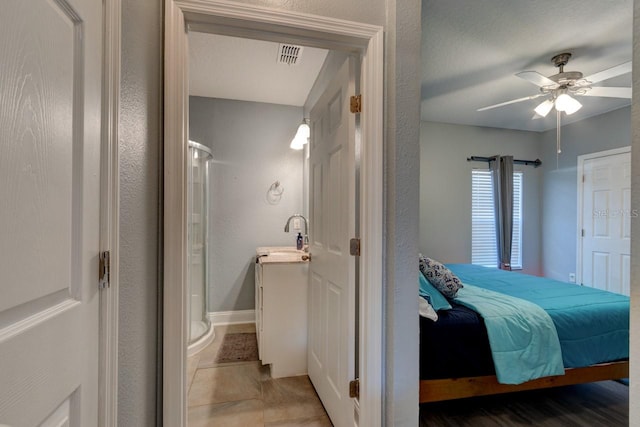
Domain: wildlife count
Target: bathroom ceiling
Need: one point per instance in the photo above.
(248, 70)
(471, 51)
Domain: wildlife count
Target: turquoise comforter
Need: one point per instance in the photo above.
(523, 339)
(592, 325)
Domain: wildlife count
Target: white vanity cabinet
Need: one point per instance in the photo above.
(281, 314)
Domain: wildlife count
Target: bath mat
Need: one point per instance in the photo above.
(241, 347)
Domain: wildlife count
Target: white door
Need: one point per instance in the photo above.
(50, 116)
(332, 269)
(606, 222)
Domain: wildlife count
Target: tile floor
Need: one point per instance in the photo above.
(244, 394)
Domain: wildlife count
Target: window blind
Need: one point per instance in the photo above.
(483, 227)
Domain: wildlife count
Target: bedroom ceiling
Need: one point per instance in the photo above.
(471, 51)
(248, 70)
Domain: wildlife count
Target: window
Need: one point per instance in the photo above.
(483, 227)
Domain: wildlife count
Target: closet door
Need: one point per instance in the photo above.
(606, 222)
(50, 115)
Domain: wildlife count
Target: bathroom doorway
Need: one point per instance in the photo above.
(245, 112)
(363, 40)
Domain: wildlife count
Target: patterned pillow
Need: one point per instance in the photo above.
(440, 276)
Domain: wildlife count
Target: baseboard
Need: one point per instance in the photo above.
(231, 317)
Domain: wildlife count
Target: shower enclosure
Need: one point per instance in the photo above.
(200, 330)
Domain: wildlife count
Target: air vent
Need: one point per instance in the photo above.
(289, 54)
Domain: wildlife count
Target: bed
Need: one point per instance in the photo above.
(592, 328)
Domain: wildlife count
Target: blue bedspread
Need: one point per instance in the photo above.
(523, 338)
(592, 325)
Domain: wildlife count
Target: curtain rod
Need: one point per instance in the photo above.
(535, 162)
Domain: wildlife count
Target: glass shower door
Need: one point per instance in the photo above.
(198, 213)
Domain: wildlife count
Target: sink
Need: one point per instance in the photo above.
(272, 254)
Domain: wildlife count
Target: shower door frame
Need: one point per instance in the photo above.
(263, 23)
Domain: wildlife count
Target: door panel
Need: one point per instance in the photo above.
(606, 216)
(50, 109)
(332, 270)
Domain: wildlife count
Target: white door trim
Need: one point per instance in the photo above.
(581, 160)
(235, 18)
(109, 215)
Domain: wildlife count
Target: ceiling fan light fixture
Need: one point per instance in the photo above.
(543, 109)
(567, 104)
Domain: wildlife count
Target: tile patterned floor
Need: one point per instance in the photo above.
(244, 394)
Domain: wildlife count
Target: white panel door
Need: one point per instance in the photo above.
(332, 269)
(606, 219)
(50, 115)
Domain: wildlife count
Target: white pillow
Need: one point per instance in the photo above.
(425, 309)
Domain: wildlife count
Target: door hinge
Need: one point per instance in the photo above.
(354, 388)
(356, 104)
(582, 232)
(104, 270)
(354, 246)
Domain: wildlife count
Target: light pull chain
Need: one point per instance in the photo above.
(558, 137)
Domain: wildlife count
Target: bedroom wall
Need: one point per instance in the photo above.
(560, 187)
(445, 188)
(250, 144)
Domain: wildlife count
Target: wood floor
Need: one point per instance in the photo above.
(604, 403)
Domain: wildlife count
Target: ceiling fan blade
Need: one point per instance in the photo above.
(609, 92)
(513, 101)
(610, 73)
(536, 78)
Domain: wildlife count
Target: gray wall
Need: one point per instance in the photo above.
(634, 392)
(140, 156)
(445, 188)
(560, 187)
(402, 175)
(141, 120)
(250, 144)
(550, 193)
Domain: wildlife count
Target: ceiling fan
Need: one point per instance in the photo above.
(561, 89)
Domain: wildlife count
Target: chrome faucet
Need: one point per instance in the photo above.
(306, 229)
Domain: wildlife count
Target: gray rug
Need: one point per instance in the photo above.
(241, 347)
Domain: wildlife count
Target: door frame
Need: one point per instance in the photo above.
(266, 23)
(580, 174)
(109, 214)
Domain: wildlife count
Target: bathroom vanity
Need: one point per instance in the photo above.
(281, 309)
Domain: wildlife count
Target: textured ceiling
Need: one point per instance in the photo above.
(247, 70)
(471, 50)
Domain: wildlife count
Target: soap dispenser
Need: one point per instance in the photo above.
(299, 241)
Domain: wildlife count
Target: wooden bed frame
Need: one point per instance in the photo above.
(456, 388)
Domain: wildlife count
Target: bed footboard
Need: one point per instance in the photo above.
(456, 388)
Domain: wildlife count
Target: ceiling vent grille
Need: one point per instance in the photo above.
(289, 54)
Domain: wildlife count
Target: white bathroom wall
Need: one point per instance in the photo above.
(250, 144)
